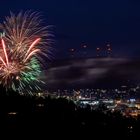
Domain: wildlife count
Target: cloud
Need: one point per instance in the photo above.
(91, 72)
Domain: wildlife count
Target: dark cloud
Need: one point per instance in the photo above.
(94, 72)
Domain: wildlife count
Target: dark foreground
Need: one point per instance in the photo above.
(23, 117)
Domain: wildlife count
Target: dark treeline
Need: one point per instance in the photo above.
(61, 118)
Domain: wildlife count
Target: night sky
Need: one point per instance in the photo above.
(87, 22)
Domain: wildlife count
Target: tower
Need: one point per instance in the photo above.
(84, 50)
(98, 52)
(109, 50)
(72, 51)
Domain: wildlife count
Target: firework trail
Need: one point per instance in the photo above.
(24, 45)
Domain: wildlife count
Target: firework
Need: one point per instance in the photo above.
(24, 44)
